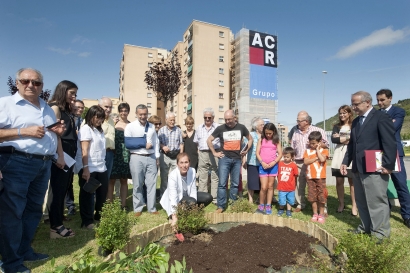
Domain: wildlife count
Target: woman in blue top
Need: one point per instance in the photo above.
(251, 163)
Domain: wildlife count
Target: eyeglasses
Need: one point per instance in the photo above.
(299, 121)
(354, 105)
(208, 118)
(33, 82)
(157, 124)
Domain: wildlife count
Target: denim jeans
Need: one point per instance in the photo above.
(228, 166)
(25, 184)
(109, 161)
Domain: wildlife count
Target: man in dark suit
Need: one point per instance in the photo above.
(384, 99)
(371, 130)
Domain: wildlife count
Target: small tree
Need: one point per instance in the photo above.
(45, 94)
(164, 78)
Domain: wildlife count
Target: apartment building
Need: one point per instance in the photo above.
(205, 56)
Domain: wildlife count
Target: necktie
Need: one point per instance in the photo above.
(361, 119)
(78, 123)
(384, 110)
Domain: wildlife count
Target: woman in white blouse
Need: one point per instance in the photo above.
(90, 160)
(182, 187)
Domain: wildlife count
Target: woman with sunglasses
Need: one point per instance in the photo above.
(121, 166)
(156, 121)
(90, 162)
(61, 102)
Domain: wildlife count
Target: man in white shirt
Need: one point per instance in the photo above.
(207, 161)
(144, 161)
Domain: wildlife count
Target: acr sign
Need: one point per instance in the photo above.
(262, 49)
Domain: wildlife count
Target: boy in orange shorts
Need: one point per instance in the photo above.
(315, 158)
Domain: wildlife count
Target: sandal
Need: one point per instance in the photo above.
(61, 233)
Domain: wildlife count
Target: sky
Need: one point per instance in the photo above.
(363, 45)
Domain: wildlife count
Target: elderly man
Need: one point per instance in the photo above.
(108, 127)
(371, 130)
(78, 112)
(144, 161)
(171, 144)
(207, 161)
(397, 114)
(300, 143)
(230, 135)
(26, 150)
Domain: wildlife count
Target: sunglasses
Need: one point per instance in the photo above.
(33, 82)
(208, 118)
(157, 124)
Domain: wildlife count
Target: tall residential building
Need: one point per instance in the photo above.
(205, 56)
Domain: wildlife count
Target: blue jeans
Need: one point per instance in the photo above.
(228, 166)
(25, 184)
(109, 161)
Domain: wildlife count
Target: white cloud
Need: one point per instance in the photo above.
(61, 50)
(80, 39)
(382, 37)
(84, 54)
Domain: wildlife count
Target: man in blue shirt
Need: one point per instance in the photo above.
(26, 150)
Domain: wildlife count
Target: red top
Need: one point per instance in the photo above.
(287, 176)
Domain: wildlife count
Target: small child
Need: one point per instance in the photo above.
(288, 172)
(315, 159)
(268, 152)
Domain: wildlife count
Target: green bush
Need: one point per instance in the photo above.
(152, 258)
(365, 254)
(114, 229)
(241, 205)
(191, 218)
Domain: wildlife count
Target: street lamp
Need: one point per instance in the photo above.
(324, 89)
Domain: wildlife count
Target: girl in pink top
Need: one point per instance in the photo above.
(268, 152)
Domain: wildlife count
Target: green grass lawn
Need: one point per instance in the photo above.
(65, 250)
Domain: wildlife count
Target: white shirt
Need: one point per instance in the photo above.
(136, 129)
(96, 152)
(16, 112)
(202, 134)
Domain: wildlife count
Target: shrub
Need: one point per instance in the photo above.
(191, 218)
(152, 258)
(365, 254)
(241, 205)
(114, 230)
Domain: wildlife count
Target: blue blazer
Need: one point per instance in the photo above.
(376, 133)
(397, 115)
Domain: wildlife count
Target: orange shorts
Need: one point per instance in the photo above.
(317, 191)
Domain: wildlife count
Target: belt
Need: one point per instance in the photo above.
(108, 149)
(142, 154)
(204, 151)
(12, 150)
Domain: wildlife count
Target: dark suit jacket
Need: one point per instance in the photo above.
(397, 114)
(376, 133)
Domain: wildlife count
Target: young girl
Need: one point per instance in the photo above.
(268, 152)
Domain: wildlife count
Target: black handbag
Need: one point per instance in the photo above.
(135, 143)
(92, 185)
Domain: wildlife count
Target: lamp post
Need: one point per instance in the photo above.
(324, 91)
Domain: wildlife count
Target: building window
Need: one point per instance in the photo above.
(149, 55)
(184, 97)
(184, 109)
(221, 71)
(221, 58)
(221, 121)
(221, 34)
(221, 95)
(149, 105)
(149, 95)
(149, 64)
(221, 46)
(149, 115)
(221, 83)
(159, 108)
(221, 108)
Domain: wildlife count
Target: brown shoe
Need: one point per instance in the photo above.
(219, 210)
(297, 210)
(154, 212)
(138, 214)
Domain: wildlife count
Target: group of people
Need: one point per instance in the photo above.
(36, 140)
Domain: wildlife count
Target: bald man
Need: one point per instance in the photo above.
(230, 135)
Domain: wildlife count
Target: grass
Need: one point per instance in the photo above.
(64, 251)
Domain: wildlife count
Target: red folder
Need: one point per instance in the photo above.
(374, 160)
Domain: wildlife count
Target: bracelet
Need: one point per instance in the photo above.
(85, 166)
(18, 133)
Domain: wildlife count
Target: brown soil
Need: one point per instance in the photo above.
(245, 248)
